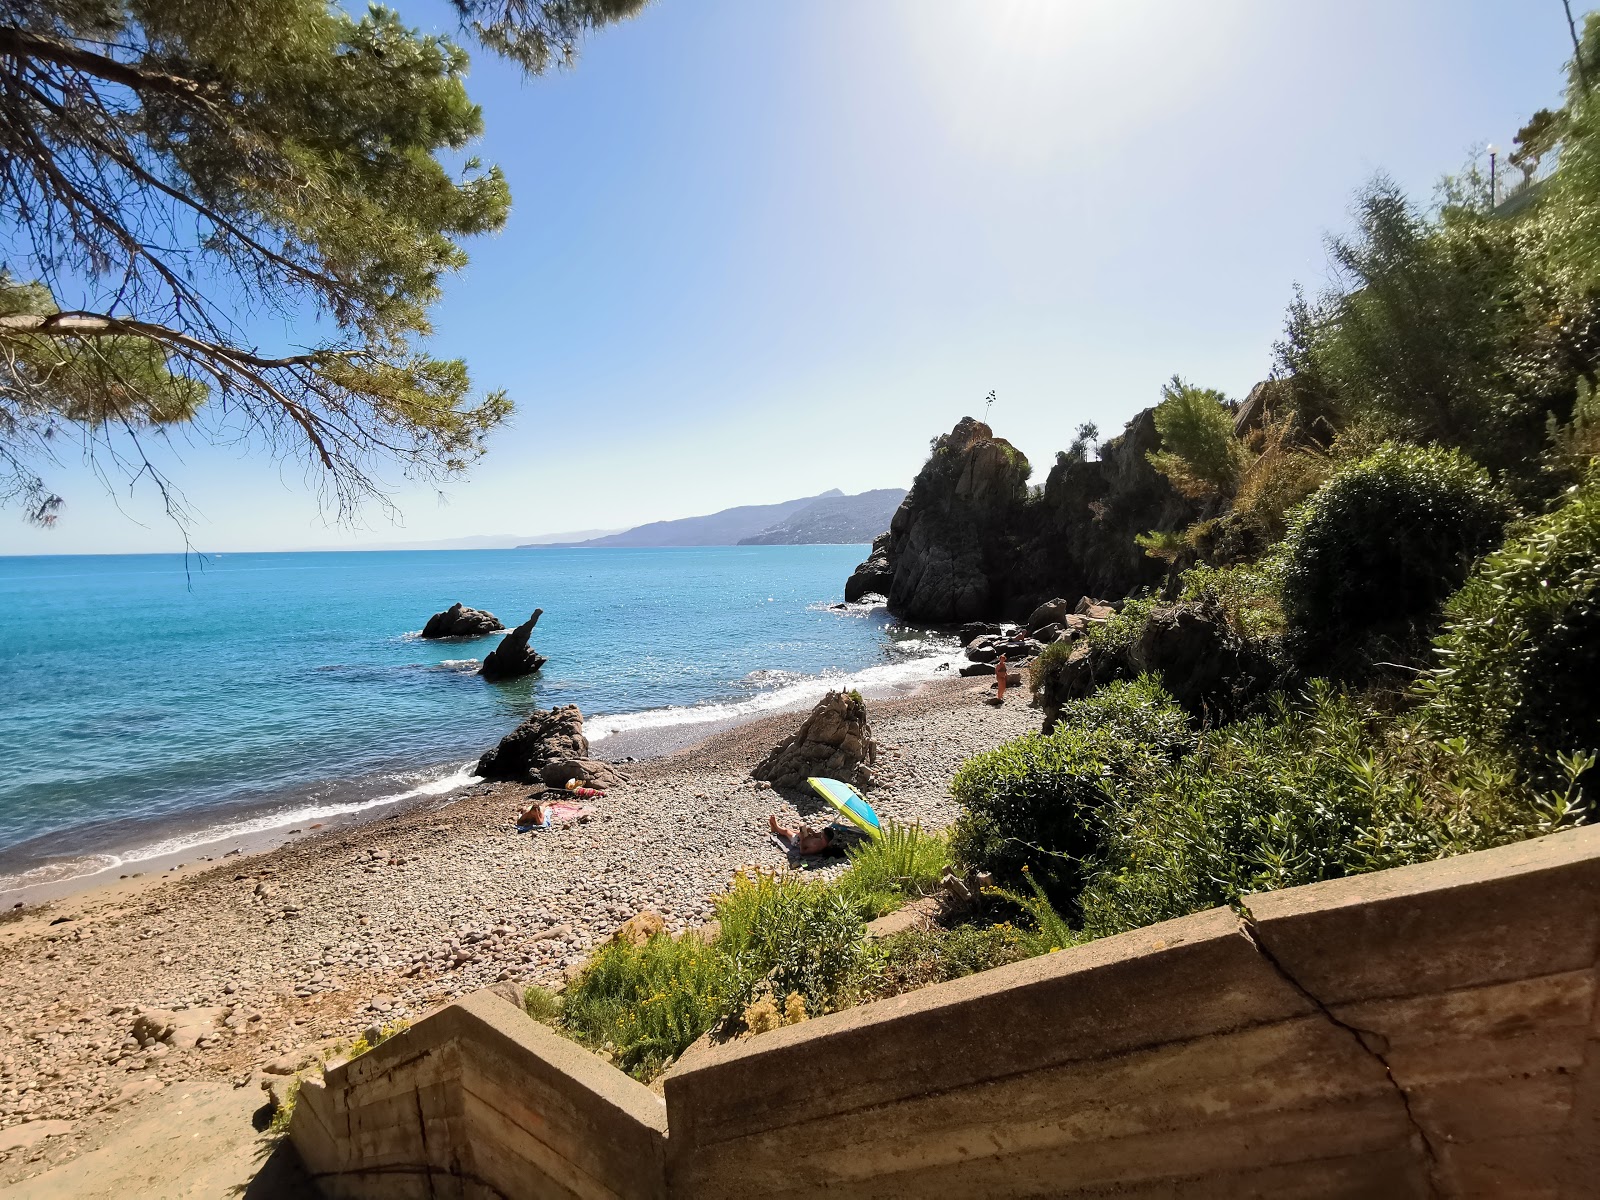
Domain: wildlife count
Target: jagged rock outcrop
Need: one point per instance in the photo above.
(513, 657)
(458, 621)
(874, 575)
(948, 543)
(546, 736)
(835, 740)
(970, 542)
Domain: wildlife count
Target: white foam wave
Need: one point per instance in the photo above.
(885, 677)
(96, 864)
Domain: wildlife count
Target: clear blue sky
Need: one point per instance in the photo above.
(758, 250)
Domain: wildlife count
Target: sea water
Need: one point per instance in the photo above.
(151, 703)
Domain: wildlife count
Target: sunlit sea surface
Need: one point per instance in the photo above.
(147, 705)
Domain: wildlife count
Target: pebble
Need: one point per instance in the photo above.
(474, 903)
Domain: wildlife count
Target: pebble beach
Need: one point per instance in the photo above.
(295, 948)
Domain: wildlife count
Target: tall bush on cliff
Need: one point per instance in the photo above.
(1199, 453)
(172, 164)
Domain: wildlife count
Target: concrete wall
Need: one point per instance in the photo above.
(1429, 1031)
(478, 1101)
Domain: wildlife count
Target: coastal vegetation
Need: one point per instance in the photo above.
(1369, 640)
(1394, 559)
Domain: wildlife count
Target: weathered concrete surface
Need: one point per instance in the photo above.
(192, 1140)
(479, 1100)
(1430, 1031)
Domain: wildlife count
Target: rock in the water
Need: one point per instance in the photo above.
(587, 771)
(548, 735)
(874, 575)
(835, 740)
(458, 621)
(513, 657)
(973, 630)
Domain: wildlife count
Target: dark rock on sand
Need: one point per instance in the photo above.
(547, 736)
(513, 657)
(458, 621)
(834, 740)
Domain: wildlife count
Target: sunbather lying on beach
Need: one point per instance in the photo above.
(803, 840)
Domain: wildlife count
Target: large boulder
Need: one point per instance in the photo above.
(513, 657)
(458, 621)
(1201, 658)
(547, 736)
(587, 771)
(1192, 647)
(874, 575)
(835, 740)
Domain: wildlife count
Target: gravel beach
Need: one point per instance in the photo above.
(345, 928)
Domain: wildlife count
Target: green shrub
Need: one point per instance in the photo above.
(645, 1005)
(1119, 631)
(1032, 803)
(541, 1004)
(1520, 655)
(788, 933)
(1384, 542)
(1199, 454)
(920, 958)
(904, 862)
(1250, 595)
(1047, 929)
(1139, 712)
(1305, 792)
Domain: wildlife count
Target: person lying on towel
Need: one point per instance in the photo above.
(803, 840)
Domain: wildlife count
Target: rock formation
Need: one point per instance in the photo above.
(834, 740)
(547, 736)
(971, 543)
(1194, 650)
(458, 621)
(513, 657)
(873, 576)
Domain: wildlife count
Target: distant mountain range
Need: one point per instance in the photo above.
(831, 517)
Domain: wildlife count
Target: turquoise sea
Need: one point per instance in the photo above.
(148, 704)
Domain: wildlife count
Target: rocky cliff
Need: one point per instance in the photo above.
(972, 542)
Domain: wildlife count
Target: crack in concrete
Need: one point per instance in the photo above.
(1253, 934)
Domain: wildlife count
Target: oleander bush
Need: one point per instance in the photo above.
(1381, 545)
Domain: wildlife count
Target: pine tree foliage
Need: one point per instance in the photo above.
(192, 173)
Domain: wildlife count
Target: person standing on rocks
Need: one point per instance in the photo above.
(1000, 671)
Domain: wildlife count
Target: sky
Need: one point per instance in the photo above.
(760, 250)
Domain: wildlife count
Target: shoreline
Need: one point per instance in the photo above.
(292, 948)
(647, 741)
